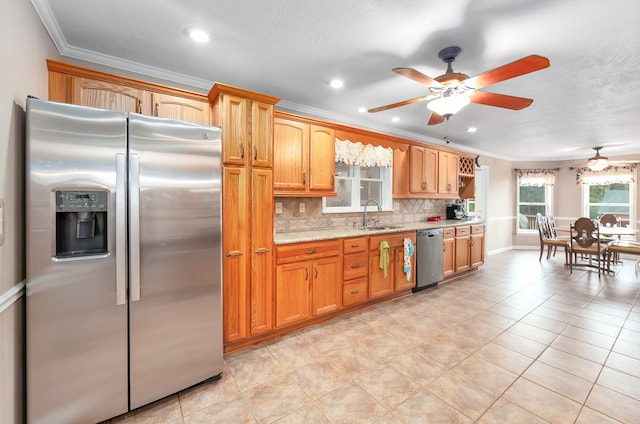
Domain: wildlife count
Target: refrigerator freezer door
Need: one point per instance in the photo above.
(76, 331)
(176, 321)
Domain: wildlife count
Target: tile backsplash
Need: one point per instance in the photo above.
(291, 219)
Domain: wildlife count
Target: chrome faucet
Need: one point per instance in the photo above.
(364, 215)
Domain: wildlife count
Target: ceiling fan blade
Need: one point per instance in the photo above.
(435, 119)
(418, 77)
(500, 100)
(511, 70)
(403, 103)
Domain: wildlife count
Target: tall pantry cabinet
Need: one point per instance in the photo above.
(246, 119)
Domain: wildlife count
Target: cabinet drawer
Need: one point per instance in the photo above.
(355, 265)
(354, 245)
(463, 231)
(394, 239)
(302, 251)
(354, 291)
(477, 229)
(448, 232)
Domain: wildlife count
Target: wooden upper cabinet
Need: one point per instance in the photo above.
(423, 170)
(87, 87)
(105, 95)
(400, 173)
(261, 134)
(304, 159)
(181, 109)
(235, 130)
(291, 161)
(448, 173)
(322, 158)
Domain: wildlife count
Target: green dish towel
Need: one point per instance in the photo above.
(384, 257)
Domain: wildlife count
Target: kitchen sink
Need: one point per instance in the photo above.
(383, 227)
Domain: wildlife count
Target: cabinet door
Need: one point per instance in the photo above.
(261, 135)
(379, 285)
(104, 95)
(448, 173)
(449, 256)
(235, 130)
(327, 287)
(234, 245)
(400, 173)
(401, 282)
(292, 293)
(423, 169)
(290, 161)
(261, 295)
(462, 253)
(322, 158)
(477, 250)
(181, 109)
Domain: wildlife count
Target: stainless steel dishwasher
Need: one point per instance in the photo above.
(428, 258)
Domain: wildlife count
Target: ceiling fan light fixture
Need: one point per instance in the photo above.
(448, 104)
(598, 163)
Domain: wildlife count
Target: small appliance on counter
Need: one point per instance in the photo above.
(456, 210)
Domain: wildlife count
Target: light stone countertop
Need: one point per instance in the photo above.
(333, 233)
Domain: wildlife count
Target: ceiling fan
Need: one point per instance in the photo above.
(451, 91)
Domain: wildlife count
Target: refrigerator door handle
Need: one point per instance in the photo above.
(134, 226)
(121, 227)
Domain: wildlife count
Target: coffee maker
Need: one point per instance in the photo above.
(455, 210)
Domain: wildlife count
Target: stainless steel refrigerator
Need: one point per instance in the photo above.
(123, 291)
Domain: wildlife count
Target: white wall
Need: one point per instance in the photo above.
(24, 46)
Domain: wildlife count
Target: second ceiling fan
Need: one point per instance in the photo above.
(451, 91)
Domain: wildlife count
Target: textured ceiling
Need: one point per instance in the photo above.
(589, 96)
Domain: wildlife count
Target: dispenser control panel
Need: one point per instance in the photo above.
(81, 201)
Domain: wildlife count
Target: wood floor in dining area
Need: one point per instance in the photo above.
(518, 341)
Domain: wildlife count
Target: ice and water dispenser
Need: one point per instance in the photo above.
(81, 223)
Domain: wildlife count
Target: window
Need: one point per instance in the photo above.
(532, 200)
(356, 185)
(611, 198)
(611, 190)
(535, 191)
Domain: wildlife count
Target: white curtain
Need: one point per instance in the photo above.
(610, 175)
(365, 155)
(536, 177)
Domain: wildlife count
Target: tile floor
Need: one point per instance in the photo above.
(518, 341)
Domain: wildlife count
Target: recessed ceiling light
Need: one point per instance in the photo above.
(395, 119)
(362, 109)
(336, 83)
(197, 35)
(472, 129)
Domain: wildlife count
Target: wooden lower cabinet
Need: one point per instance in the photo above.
(308, 281)
(476, 252)
(463, 248)
(448, 252)
(395, 280)
(463, 238)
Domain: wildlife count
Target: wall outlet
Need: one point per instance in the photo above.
(396, 206)
(278, 207)
(301, 207)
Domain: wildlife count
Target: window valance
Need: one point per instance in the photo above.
(536, 177)
(610, 175)
(365, 155)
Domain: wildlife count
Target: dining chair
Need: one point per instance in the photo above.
(609, 220)
(550, 239)
(585, 241)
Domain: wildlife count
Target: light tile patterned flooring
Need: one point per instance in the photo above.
(519, 341)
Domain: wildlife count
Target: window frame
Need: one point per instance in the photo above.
(386, 181)
(548, 207)
(632, 202)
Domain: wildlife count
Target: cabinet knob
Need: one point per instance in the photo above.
(156, 110)
(234, 253)
(304, 178)
(261, 250)
(241, 150)
(311, 251)
(356, 266)
(255, 154)
(355, 291)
